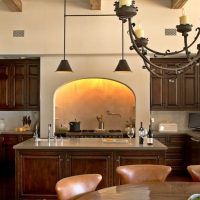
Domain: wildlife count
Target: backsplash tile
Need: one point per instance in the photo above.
(13, 119)
(179, 117)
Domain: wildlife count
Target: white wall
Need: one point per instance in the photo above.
(93, 43)
(93, 66)
(43, 24)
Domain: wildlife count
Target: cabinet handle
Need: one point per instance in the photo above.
(195, 140)
(117, 160)
(171, 81)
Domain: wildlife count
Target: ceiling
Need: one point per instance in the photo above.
(16, 5)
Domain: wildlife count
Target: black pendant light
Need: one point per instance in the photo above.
(123, 65)
(64, 64)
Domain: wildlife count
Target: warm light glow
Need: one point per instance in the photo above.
(86, 98)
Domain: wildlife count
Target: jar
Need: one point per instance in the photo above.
(2, 124)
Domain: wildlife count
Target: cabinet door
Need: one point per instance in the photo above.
(4, 86)
(1, 149)
(38, 173)
(177, 94)
(91, 162)
(19, 86)
(33, 86)
(193, 151)
(172, 93)
(189, 89)
(9, 153)
(156, 92)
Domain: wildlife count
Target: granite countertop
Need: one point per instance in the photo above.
(15, 132)
(89, 143)
(195, 134)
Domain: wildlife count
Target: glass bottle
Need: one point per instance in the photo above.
(149, 136)
(141, 133)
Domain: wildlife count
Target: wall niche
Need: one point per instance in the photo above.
(86, 99)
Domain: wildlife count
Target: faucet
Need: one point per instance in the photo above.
(110, 113)
(49, 131)
(36, 133)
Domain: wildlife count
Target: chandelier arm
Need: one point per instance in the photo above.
(195, 38)
(190, 63)
(167, 52)
(151, 70)
(142, 55)
(169, 76)
(175, 52)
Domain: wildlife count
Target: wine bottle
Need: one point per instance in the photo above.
(149, 136)
(141, 134)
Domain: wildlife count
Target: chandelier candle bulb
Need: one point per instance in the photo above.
(184, 19)
(125, 3)
(139, 32)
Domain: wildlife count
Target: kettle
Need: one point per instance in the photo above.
(74, 126)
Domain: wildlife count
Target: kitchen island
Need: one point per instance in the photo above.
(40, 164)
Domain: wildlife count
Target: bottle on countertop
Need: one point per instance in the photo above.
(141, 133)
(149, 136)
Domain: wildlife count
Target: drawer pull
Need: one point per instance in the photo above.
(195, 140)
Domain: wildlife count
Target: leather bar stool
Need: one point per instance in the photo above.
(142, 173)
(194, 171)
(72, 187)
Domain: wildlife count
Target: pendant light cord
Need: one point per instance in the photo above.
(122, 40)
(64, 25)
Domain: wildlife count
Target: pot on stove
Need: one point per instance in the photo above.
(74, 126)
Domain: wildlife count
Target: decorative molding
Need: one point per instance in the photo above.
(176, 4)
(95, 4)
(14, 5)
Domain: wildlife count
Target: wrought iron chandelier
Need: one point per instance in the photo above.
(126, 10)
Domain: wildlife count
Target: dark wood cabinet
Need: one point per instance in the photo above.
(38, 170)
(89, 163)
(7, 154)
(33, 86)
(5, 73)
(175, 94)
(176, 153)
(193, 151)
(20, 83)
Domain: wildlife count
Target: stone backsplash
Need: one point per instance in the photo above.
(179, 117)
(13, 119)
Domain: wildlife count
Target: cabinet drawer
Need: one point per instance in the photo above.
(174, 156)
(11, 140)
(176, 140)
(162, 139)
(175, 162)
(175, 150)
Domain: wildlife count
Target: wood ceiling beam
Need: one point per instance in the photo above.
(14, 5)
(95, 4)
(176, 4)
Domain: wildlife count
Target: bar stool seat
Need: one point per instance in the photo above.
(72, 187)
(194, 171)
(142, 173)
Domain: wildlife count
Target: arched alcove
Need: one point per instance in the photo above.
(85, 99)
